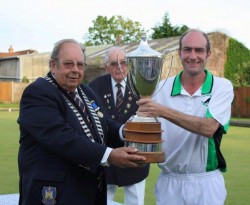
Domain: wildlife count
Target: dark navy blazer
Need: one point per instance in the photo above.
(103, 88)
(55, 151)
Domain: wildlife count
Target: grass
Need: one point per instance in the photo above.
(235, 146)
(9, 105)
(241, 119)
(8, 147)
(237, 152)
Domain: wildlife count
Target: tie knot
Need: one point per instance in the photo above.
(72, 94)
(118, 85)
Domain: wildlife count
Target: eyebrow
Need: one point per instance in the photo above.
(195, 48)
(118, 60)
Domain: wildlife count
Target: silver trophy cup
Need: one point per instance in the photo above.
(144, 72)
(145, 67)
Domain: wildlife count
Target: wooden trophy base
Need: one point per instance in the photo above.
(152, 157)
(144, 134)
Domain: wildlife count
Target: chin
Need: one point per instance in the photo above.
(195, 71)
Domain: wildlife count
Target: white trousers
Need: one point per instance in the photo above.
(190, 189)
(133, 194)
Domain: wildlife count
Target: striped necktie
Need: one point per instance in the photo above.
(79, 102)
(119, 98)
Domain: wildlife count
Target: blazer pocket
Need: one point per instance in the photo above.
(50, 176)
(45, 182)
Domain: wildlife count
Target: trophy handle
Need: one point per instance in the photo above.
(165, 53)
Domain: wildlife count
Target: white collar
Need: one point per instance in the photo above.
(123, 82)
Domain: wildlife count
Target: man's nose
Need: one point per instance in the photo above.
(75, 67)
(192, 54)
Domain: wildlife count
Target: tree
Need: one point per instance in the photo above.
(242, 77)
(166, 29)
(237, 66)
(107, 30)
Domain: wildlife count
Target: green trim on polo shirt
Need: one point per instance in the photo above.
(212, 160)
(206, 87)
(208, 84)
(225, 127)
(176, 89)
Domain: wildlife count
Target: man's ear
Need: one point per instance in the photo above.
(208, 54)
(106, 67)
(52, 65)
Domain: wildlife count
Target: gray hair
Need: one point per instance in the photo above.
(58, 45)
(108, 53)
(208, 47)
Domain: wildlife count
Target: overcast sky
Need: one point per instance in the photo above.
(38, 24)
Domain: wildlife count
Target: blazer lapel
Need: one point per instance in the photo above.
(129, 106)
(108, 98)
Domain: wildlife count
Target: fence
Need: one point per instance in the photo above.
(241, 102)
(11, 92)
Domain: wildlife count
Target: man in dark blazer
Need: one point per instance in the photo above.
(133, 180)
(62, 150)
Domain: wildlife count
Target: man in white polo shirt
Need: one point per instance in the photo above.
(194, 109)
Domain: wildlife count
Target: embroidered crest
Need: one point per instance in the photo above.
(205, 100)
(49, 195)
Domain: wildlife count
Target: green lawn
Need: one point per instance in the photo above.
(8, 148)
(235, 147)
(9, 105)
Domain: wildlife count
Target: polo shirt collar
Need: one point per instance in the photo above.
(206, 87)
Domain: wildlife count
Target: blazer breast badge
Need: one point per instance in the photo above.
(49, 195)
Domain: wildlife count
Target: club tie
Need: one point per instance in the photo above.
(79, 102)
(119, 98)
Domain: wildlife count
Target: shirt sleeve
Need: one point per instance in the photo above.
(104, 161)
(219, 106)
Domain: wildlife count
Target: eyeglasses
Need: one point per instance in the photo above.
(69, 64)
(116, 63)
